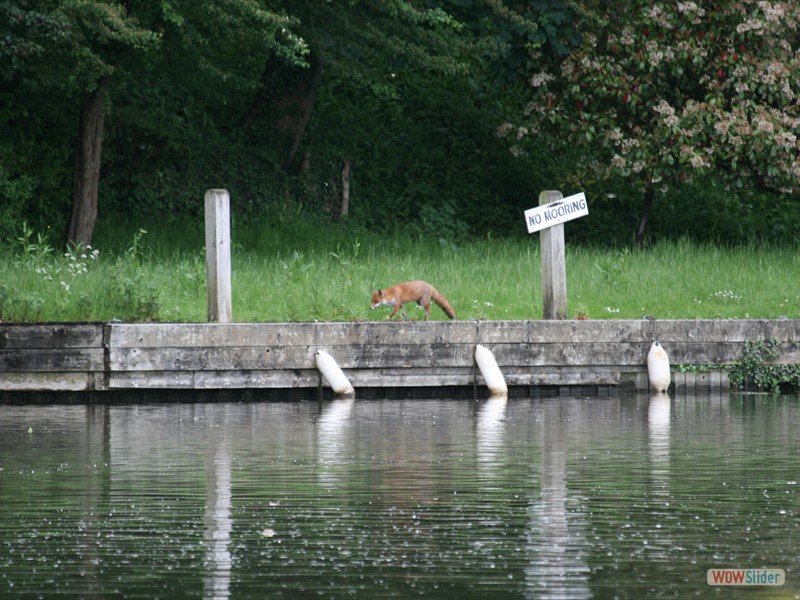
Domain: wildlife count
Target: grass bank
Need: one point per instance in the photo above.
(307, 272)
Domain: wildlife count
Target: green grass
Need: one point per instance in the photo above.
(320, 272)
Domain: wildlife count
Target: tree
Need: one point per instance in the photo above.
(87, 54)
(366, 43)
(27, 75)
(659, 91)
(374, 57)
(157, 97)
(101, 37)
(110, 38)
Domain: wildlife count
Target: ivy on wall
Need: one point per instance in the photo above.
(758, 370)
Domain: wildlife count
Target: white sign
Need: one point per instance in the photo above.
(556, 212)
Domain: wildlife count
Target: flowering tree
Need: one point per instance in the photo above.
(659, 91)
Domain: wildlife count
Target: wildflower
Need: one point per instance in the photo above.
(725, 296)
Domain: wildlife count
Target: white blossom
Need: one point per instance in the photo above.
(663, 107)
(540, 79)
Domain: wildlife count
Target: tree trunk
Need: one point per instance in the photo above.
(649, 195)
(297, 105)
(346, 189)
(87, 168)
(263, 93)
(291, 105)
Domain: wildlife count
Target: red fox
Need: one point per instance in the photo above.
(412, 291)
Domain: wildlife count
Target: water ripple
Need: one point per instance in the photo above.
(525, 498)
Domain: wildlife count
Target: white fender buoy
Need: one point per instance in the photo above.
(333, 374)
(658, 368)
(490, 371)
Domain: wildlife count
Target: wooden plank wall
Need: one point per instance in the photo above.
(118, 356)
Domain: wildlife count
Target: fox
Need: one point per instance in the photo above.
(420, 292)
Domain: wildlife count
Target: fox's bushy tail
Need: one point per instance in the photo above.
(443, 303)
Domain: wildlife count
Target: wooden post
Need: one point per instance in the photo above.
(345, 189)
(218, 255)
(554, 265)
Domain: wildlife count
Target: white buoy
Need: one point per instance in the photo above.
(490, 371)
(333, 374)
(658, 368)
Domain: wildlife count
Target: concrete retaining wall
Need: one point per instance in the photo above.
(611, 353)
(602, 354)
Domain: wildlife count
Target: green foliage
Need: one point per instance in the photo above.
(132, 294)
(696, 369)
(758, 369)
(702, 210)
(409, 95)
(40, 284)
(33, 254)
(26, 33)
(520, 37)
(133, 297)
(661, 91)
(15, 192)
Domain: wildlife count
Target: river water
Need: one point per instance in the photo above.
(585, 497)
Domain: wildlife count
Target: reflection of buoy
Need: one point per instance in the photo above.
(490, 371)
(658, 368)
(333, 374)
(658, 413)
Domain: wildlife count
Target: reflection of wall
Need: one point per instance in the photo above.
(54, 481)
(178, 457)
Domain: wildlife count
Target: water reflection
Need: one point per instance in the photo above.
(490, 429)
(219, 501)
(555, 542)
(525, 498)
(658, 422)
(333, 431)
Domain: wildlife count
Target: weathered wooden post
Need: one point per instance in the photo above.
(549, 218)
(218, 255)
(554, 264)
